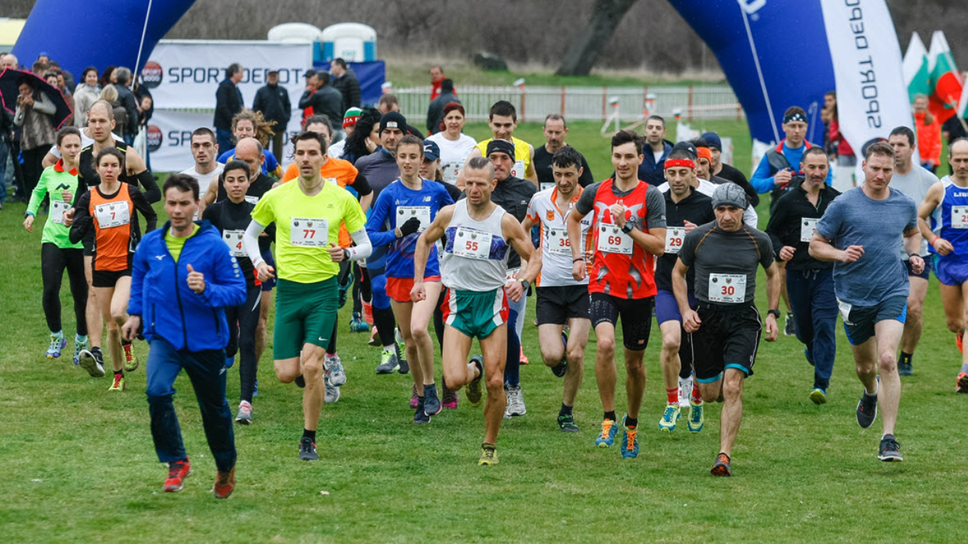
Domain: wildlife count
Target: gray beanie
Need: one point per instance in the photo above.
(729, 194)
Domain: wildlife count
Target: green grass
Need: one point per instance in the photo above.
(79, 465)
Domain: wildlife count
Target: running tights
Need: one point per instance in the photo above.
(53, 261)
(243, 321)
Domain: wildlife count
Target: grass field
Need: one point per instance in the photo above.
(79, 463)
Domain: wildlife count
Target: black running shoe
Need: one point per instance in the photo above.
(790, 328)
(307, 450)
(567, 423)
(905, 369)
(474, 393)
(866, 410)
(721, 466)
(889, 450)
(300, 381)
(420, 416)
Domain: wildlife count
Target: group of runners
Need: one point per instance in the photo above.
(457, 233)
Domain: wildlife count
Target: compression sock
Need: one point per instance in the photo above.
(696, 396)
(310, 435)
(672, 396)
(565, 410)
(385, 325)
(611, 416)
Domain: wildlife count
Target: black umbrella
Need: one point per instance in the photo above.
(9, 90)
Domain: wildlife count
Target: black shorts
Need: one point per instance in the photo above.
(636, 317)
(925, 274)
(859, 321)
(108, 278)
(556, 305)
(727, 338)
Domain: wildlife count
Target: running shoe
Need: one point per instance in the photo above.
(560, 369)
(334, 368)
(307, 449)
(118, 384)
(357, 324)
(696, 419)
(229, 361)
(889, 450)
(630, 441)
(669, 418)
(790, 327)
(331, 394)
(57, 343)
(401, 352)
(344, 290)
(808, 355)
(388, 362)
(474, 393)
(432, 404)
(488, 455)
(420, 415)
(90, 361)
(449, 399)
(515, 406)
(224, 484)
(79, 346)
(959, 341)
(721, 466)
(413, 397)
(374, 337)
(566, 423)
(904, 369)
(523, 358)
(130, 359)
(685, 389)
(300, 381)
(177, 472)
(607, 438)
(244, 417)
(867, 409)
(962, 386)
(818, 396)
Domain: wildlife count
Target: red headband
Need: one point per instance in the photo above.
(680, 163)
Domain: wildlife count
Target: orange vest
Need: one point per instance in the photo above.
(113, 217)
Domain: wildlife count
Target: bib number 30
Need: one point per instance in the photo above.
(727, 288)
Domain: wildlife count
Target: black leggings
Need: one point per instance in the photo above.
(242, 324)
(357, 289)
(53, 261)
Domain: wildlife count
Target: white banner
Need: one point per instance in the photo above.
(872, 98)
(169, 137)
(186, 73)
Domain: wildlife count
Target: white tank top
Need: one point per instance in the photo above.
(475, 256)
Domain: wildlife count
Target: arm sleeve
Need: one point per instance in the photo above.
(377, 222)
(82, 219)
(152, 192)
(38, 194)
(587, 199)
(655, 206)
(586, 178)
(360, 185)
(142, 205)
(762, 181)
(250, 242)
(139, 267)
(362, 249)
(226, 286)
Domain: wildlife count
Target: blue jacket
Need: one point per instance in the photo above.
(168, 308)
(650, 171)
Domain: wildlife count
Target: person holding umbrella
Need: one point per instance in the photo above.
(34, 111)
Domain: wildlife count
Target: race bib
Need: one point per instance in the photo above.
(252, 199)
(404, 213)
(233, 239)
(959, 217)
(674, 236)
(518, 169)
(309, 232)
(808, 227)
(727, 288)
(331, 180)
(844, 311)
(472, 244)
(611, 239)
(512, 275)
(544, 185)
(57, 209)
(112, 214)
(451, 170)
(558, 242)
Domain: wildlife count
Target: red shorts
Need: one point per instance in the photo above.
(398, 289)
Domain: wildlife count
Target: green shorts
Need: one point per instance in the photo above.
(305, 314)
(475, 314)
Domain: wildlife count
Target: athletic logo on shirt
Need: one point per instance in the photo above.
(63, 187)
(159, 257)
(550, 214)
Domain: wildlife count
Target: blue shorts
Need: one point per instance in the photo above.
(951, 270)
(860, 321)
(666, 307)
(270, 283)
(925, 274)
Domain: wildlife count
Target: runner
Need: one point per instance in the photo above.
(110, 210)
(308, 265)
(561, 300)
(686, 208)
(248, 124)
(406, 208)
(57, 253)
(950, 245)
(455, 146)
(629, 228)
(809, 281)
(863, 233)
(231, 217)
(503, 119)
(206, 168)
(206, 279)
(914, 182)
(726, 325)
(555, 132)
(473, 267)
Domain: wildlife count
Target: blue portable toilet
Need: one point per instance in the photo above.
(353, 42)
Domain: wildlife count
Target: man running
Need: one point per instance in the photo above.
(206, 280)
(629, 226)
(913, 181)
(810, 282)
(562, 300)
(863, 233)
(206, 168)
(473, 267)
(726, 325)
(503, 119)
(950, 244)
(555, 132)
(307, 215)
(686, 208)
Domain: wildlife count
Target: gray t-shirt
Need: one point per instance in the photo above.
(726, 262)
(854, 219)
(915, 184)
(380, 169)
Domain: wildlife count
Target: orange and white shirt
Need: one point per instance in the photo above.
(556, 259)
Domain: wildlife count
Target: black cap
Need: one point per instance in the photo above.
(393, 119)
(500, 146)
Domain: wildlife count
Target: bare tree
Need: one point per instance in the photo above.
(588, 44)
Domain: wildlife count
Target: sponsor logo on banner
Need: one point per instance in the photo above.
(151, 75)
(154, 138)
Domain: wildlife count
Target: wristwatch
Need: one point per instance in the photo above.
(774, 313)
(526, 284)
(346, 254)
(628, 227)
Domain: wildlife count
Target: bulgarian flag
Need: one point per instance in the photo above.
(946, 84)
(917, 77)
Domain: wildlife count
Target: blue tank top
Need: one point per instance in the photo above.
(954, 217)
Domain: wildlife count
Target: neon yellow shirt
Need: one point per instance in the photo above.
(305, 227)
(522, 154)
(175, 245)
